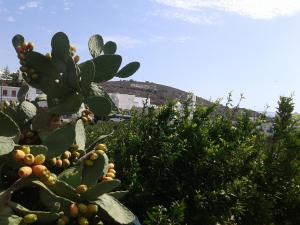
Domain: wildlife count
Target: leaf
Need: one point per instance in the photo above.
(91, 174)
(8, 127)
(110, 48)
(100, 106)
(60, 140)
(22, 92)
(72, 175)
(87, 74)
(114, 210)
(80, 137)
(100, 188)
(128, 70)
(6, 145)
(106, 67)
(17, 40)
(95, 45)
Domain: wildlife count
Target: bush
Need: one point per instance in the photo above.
(219, 165)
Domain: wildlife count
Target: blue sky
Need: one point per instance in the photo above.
(209, 47)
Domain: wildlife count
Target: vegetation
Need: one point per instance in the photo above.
(48, 175)
(203, 167)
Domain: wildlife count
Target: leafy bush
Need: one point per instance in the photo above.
(221, 166)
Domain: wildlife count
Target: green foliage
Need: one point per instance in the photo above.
(46, 162)
(220, 165)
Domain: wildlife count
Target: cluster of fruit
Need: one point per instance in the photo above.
(72, 53)
(68, 158)
(93, 155)
(87, 116)
(33, 165)
(28, 73)
(81, 212)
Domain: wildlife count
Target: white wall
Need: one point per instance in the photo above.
(31, 95)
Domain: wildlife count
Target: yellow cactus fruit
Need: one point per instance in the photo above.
(39, 170)
(93, 156)
(67, 154)
(58, 163)
(88, 162)
(29, 159)
(49, 181)
(82, 208)
(112, 171)
(101, 147)
(73, 147)
(52, 161)
(66, 163)
(76, 58)
(30, 218)
(25, 149)
(111, 165)
(92, 208)
(39, 159)
(112, 175)
(75, 154)
(25, 171)
(81, 189)
(100, 152)
(18, 155)
(83, 221)
(74, 210)
(72, 48)
(107, 178)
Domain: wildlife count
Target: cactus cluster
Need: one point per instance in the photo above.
(47, 173)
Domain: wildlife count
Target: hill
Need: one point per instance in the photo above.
(157, 93)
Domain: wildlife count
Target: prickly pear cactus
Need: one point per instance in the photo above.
(47, 173)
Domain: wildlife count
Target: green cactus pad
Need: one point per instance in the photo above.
(87, 74)
(60, 140)
(8, 127)
(106, 67)
(26, 110)
(100, 106)
(118, 194)
(38, 149)
(91, 174)
(114, 210)
(128, 70)
(110, 48)
(72, 175)
(54, 88)
(6, 145)
(70, 76)
(67, 105)
(22, 92)
(60, 46)
(100, 188)
(18, 40)
(63, 189)
(95, 45)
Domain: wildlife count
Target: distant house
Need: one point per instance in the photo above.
(127, 102)
(8, 93)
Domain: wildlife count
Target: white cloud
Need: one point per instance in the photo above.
(255, 9)
(30, 5)
(10, 19)
(123, 41)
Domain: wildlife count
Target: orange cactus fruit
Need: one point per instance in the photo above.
(39, 170)
(66, 163)
(83, 221)
(67, 154)
(30, 218)
(101, 147)
(92, 208)
(111, 165)
(93, 156)
(18, 155)
(81, 189)
(111, 171)
(25, 171)
(29, 159)
(58, 163)
(112, 175)
(19, 49)
(76, 58)
(29, 46)
(74, 210)
(107, 178)
(25, 149)
(75, 154)
(88, 162)
(39, 159)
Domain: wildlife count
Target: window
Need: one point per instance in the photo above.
(4, 92)
(13, 93)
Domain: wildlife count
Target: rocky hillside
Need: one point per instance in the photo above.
(158, 93)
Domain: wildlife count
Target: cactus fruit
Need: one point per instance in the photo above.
(83, 221)
(52, 161)
(74, 211)
(101, 147)
(39, 170)
(93, 156)
(88, 162)
(25, 171)
(29, 159)
(92, 208)
(66, 163)
(39, 159)
(83, 209)
(30, 218)
(81, 189)
(25, 149)
(59, 163)
(67, 154)
(18, 155)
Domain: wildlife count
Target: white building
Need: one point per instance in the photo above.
(127, 102)
(8, 93)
